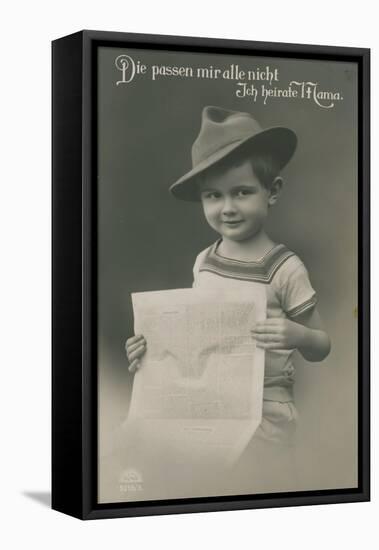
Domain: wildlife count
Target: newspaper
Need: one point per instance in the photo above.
(199, 390)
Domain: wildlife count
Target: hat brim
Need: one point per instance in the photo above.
(279, 142)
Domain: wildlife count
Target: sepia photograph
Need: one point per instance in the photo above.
(227, 274)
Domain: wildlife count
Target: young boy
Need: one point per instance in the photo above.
(235, 175)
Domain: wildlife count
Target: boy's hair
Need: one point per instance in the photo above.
(263, 166)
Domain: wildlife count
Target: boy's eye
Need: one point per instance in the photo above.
(244, 192)
(211, 195)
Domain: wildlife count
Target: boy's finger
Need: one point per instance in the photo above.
(269, 345)
(264, 329)
(137, 353)
(133, 347)
(268, 323)
(133, 339)
(267, 338)
(257, 329)
(134, 366)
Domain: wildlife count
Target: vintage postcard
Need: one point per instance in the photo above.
(227, 204)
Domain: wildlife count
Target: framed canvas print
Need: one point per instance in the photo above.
(210, 275)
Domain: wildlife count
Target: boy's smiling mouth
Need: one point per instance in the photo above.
(232, 222)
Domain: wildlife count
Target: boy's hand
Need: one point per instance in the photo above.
(279, 334)
(135, 347)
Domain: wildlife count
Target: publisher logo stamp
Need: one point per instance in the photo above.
(131, 481)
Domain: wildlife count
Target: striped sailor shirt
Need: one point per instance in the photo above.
(288, 290)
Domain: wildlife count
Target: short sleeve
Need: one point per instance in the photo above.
(195, 272)
(196, 267)
(297, 293)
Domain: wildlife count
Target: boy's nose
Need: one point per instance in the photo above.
(228, 207)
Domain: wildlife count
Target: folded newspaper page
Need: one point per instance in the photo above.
(197, 397)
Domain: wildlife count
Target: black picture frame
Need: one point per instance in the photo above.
(74, 273)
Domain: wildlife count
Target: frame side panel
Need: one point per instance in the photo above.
(364, 283)
(67, 275)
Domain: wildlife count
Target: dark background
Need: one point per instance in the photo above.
(148, 240)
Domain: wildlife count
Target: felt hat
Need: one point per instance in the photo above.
(222, 133)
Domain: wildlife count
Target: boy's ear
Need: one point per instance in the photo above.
(276, 188)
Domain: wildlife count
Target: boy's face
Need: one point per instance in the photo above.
(235, 203)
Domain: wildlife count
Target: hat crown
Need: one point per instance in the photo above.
(224, 132)
(221, 128)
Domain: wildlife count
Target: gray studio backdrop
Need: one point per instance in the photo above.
(147, 240)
